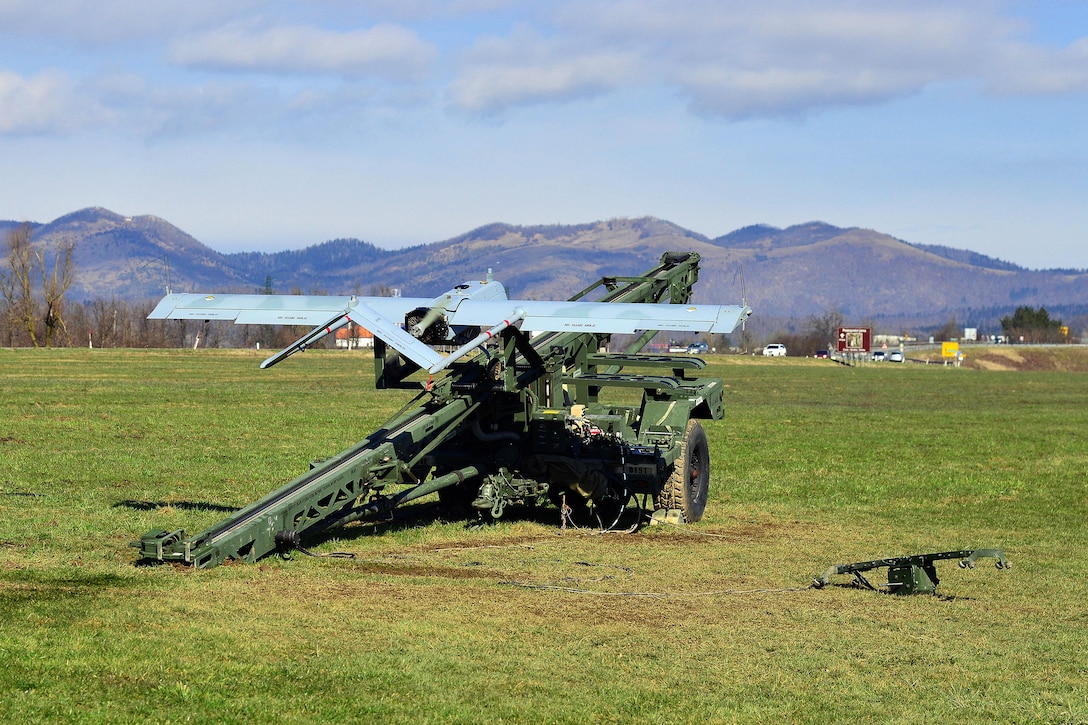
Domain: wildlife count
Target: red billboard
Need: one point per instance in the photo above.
(855, 339)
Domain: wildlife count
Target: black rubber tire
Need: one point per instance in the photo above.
(688, 483)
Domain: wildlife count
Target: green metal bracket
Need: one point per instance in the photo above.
(911, 574)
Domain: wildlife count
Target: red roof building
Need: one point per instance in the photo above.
(354, 337)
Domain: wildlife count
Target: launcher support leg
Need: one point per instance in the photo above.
(911, 574)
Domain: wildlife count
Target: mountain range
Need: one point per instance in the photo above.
(785, 275)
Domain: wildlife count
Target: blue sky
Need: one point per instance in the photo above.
(267, 125)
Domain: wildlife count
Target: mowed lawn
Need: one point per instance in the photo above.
(815, 464)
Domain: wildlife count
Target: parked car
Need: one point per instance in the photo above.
(879, 355)
(775, 349)
(823, 354)
(895, 356)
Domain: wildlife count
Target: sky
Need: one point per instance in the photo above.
(262, 125)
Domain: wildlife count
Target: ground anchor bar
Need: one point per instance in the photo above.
(914, 574)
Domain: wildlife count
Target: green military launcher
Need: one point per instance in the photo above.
(507, 419)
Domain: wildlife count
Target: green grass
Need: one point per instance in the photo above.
(815, 464)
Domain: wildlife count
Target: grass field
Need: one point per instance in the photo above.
(815, 464)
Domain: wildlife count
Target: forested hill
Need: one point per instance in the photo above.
(787, 273)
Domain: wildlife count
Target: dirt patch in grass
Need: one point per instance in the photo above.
(1023, 358)
(470, 570)
(1028, 359)
(997, 359)
(505, 542)
(682, 536)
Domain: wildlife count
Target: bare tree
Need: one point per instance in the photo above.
(32, 319)
(18, 285)
(824, 329)
(55, 284)
(948, 331)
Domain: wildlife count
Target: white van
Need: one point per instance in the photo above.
(775, 349)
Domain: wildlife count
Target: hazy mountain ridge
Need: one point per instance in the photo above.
(762, 236)
(968, 257)
(783, 274)
(134, 257)
(328, 263)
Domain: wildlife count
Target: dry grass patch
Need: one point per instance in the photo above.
(1066, 359)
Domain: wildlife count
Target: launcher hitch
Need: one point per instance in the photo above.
(911, 574)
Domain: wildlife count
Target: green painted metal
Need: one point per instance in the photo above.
(523, 425)
(915, 574)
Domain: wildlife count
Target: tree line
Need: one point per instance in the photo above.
(34, 312)
(1028, 324)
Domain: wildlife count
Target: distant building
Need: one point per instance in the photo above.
(353, 337)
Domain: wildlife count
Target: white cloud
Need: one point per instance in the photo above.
(43, 103)
(814, 58)
(89, 23)
(416, 10)
(234, 107)
(528, 69)
(1027, 70)
(727, 59)
(381, 50)
(744, 59)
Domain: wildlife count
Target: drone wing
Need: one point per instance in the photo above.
(329, 313)
(273, 309)
(603, 317)
(381, 316)
(593, 317)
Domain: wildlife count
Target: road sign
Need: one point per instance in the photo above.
(855, 339)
